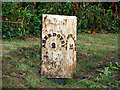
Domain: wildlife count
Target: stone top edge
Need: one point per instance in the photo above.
(61, 16)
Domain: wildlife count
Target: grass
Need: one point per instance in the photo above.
(98, 65)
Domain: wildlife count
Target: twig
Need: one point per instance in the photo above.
(11, 22)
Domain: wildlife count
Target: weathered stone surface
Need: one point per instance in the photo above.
(58, 46)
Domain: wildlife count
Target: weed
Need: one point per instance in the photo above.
(30, 71)
(7, 56)
(22, 67)
(30, 63)
(90, 84)
(105, 71)
(115, 66)
(22, 60)
(13, 74)
(106, 76)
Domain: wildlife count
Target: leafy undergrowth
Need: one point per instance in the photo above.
(98, 65)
